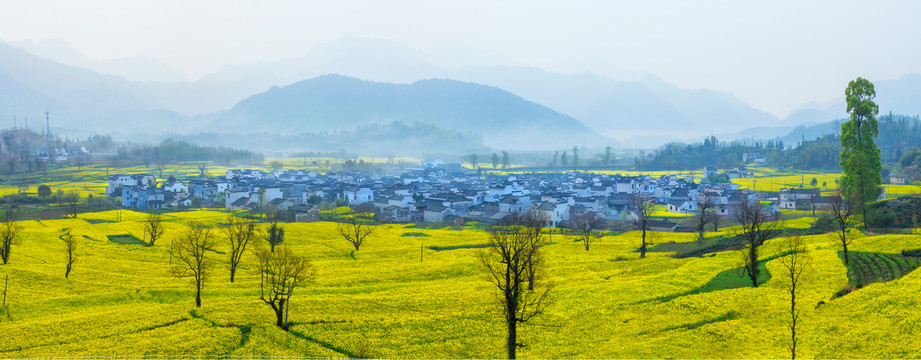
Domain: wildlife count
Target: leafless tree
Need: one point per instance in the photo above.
(276, 165)
(70, 244)
(533, 223)
(71, 200)
(274, 234)
(202, 167)
(840, 212)
(239, 232)
(512, 249)
(9, 233)
(813, 204)
(23, 186)
(190, 250)
(642, 214)
(715, 220)
(755, 227)
(705, 207)
(586, 225)
(793, 266)
(355, 230)
(153, 228)
(160, 167)
(280, 273)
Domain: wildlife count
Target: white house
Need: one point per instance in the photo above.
(358, 195)
(176, 187)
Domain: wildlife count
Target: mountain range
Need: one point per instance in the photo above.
(509, 106)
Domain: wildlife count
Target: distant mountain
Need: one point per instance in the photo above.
(617, 109)
(77, 97)
(335, 103)
(625, 109)
(899, 96)
(136, 68)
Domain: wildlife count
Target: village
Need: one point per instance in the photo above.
(448, 193)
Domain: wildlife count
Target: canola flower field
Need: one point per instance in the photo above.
(396, 297)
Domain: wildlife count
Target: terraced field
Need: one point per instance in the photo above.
(866, 268)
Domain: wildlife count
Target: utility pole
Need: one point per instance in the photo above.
(420, 252)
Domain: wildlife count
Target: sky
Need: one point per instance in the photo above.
(774, 55)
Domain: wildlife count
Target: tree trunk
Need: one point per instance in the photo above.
(67, 273)
(198, 295)
(753, 258)
(793, 325)
(530, 275)
(512, 338)
(233, 271)
(865, 224)
(643, 247)
(280, 314)
(844, 244)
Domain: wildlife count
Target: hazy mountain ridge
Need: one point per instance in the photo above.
(335, 102)
(76, 97)
(140, 67)
(641, 113)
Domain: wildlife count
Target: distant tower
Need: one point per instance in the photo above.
(27, 123)
(15, 127)
(47, 124)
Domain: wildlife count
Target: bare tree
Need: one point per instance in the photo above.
(23, 185)
(280, 273)
(71, 200)
(840, 212)
(512, 248)
(239, 232)
(70, 244)
(275, 233)
(9, 233)
(190, 250)
(202, 167)
(793, 266)
(160, 167)
(153, 228)
(355, 230)
(715, 220)
(533, 223)
(642, 214)
(585, 225)
(705, 207)
(755, 227)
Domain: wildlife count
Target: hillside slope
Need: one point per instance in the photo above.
(382, 302)
(335, 103)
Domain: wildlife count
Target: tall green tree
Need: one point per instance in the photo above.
(860, 160)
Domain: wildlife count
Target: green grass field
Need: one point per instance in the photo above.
(382, 301)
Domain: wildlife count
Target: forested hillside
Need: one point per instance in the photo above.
(897, 134)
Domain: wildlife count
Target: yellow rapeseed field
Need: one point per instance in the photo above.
(397, 298)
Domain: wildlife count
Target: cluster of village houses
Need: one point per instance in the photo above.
(448, 193)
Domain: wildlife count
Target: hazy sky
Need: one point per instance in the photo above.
(775, 55)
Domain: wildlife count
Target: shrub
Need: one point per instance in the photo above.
(822, 225)
(911, 252)
(881, 217)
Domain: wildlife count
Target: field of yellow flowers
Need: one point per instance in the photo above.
(396, 297)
